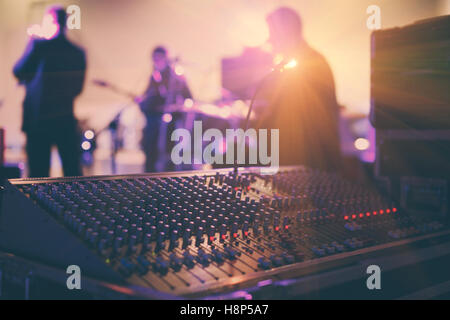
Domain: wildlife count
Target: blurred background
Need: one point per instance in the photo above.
(118, 37)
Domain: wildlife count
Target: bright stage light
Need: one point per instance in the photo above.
(179, 70)
(46, 30)
(362, 144)
(89, 134)
(167, 117)
(280, 64)
(86, 145)
(291, 64)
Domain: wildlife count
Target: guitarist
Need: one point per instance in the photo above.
(165, 88)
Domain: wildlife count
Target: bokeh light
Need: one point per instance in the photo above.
(362, 144)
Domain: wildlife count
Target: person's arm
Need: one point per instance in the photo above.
(25, 69)
(151, 98)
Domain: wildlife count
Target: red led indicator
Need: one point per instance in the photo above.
(277, 228)
(246, 233)
(211, 238)
(394, 209)
(235, 235)
(368, 214)
(353, 216)
(286, 227)
(361, 215)
(346, 218)
(224, 236)
(388, 210)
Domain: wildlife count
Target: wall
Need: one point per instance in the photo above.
(119, 35)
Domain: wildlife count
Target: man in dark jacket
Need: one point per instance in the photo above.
(53, 72)
(302, 98)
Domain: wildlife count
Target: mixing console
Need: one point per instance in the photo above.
(200, 232)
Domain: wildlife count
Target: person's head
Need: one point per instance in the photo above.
(160, 59)
(285, 29)
(59, 16)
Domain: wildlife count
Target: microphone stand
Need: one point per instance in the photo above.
(113, 125)
(261, 83)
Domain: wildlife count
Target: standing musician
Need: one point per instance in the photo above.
(302, 100)
(53, 72)
(165, 89)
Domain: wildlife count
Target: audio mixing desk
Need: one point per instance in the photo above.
(217, 233)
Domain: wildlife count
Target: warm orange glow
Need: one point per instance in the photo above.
(291, 64)
(278, 59)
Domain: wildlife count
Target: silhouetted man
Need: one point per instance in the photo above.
(53, 72)
(165, 89)
(302, 98)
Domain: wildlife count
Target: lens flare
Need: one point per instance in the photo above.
(291, 64)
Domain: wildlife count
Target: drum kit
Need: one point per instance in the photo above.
(223, 115)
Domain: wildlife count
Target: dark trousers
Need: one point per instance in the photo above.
(66, 137)
(150, 138)
(154, 152)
